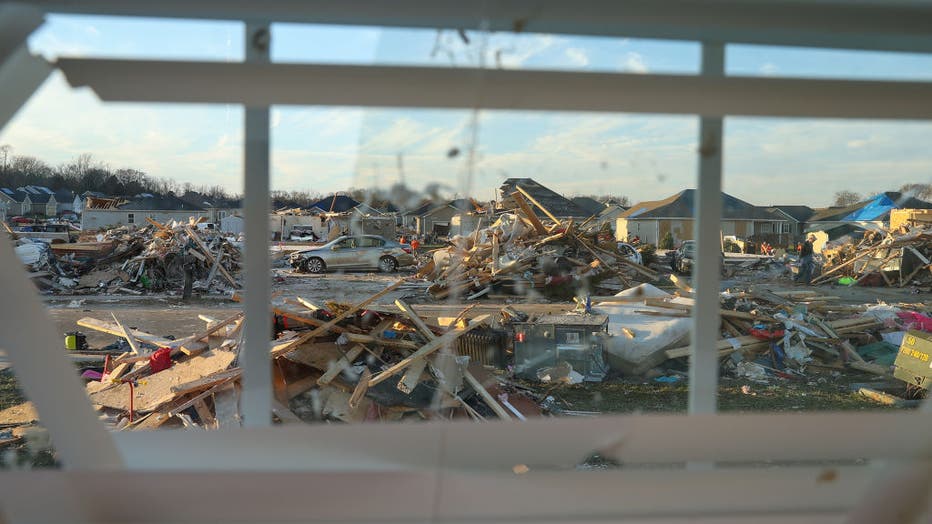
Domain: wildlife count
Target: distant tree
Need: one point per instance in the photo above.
(846, 198)
(667, 241)
(920, 191)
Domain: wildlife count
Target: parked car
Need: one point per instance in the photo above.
(683, 258)
(303, 234)
(354, 252)
(630, 252)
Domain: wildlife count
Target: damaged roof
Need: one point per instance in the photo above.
(556, 203)
(682, 206)
(335, 204)
(880, 203)
(591, 205)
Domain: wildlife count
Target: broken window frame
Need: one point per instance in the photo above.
(84, 444)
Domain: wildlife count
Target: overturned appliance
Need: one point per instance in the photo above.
(552, 339)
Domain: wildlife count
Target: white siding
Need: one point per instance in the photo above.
(106, 218)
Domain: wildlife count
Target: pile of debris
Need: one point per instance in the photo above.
(766, 335)
(897, 257)
(170, 258)
(518, 253)
(344, 363)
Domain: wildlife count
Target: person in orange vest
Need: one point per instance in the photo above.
(415, 244)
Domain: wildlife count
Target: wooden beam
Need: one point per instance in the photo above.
(128, 336)
(429, 348)
(361, 388)
(342, 363)
(486, 396)
(529, 213)
(539, 205)
(326, 327)
(114, 329)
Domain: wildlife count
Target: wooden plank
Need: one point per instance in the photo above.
(387, 342)
(342, 363)
(361, 388)
(161, 388)
(429, 348)
(159, 226)
(208, 381)
(540, 206)
(326, 327)
(307, 303)
(200, 396)
(204, 414)
(486, 396)
(313, 322)
(114, 329)
(529, 213)
(133, 345)
(203, 247)
(415, 319)
(412, 376)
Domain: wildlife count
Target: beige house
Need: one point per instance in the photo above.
(651, 221)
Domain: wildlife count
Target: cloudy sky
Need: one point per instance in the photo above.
(767, 161)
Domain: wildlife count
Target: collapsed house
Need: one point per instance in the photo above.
(173, 258)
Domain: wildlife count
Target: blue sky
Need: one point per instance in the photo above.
(767, 161)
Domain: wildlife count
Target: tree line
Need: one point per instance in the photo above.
(85, 173)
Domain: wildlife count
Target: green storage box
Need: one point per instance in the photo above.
(913, 363)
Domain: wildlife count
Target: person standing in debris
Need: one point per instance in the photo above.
(415, 245)
(805, 261)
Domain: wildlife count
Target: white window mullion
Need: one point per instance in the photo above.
(257, 379)
(703, 369)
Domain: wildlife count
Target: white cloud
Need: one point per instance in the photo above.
(769, 69)
(577, 56)
(634, 63)
(857, 144)
(276, 118)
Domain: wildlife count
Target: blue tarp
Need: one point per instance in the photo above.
(878, 207)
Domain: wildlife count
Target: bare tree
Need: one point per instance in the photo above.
(846, 198)
(5, 150)
(920, 191)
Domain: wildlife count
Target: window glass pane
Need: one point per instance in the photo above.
(837, 289)
(450, 48)
(754, 60)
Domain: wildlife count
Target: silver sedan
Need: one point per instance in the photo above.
(354, 252)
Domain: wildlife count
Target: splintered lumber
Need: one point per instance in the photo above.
(157, 225)
(361, 388)
(413, 374)
(529, 213)
(683, 286)
(326, 327)
(160, 388)
(130, 339)
(429, 348)
(342, 363)
(210, 258)
(871, 368)
(307, 303)
(540, 206)
(825, 276)
(114, 329)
